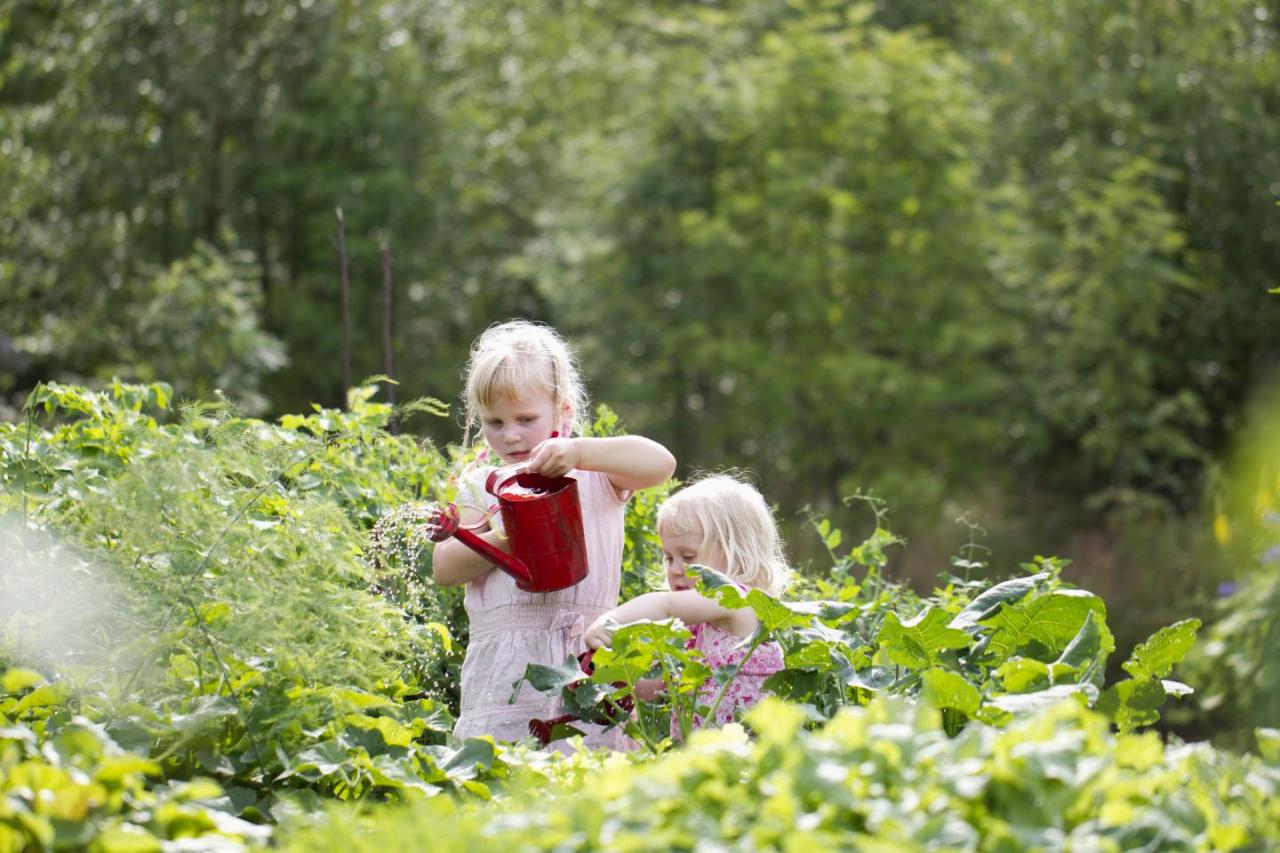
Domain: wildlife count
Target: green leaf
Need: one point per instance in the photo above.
(1023, 675)
(114, 768)
(1030, 702)
(829, 612)
(718, 587)
(126, 838)
(916, 643)
(393, 772)
(43, 697)
(393, 733)
(323, 759)
(1155, 657)
(1268, 744)
(774, 615)
(1132, 703)
(1090, 646)
(551, 678)
(986, 604)
(636, 648)
(1042, 627)
(475, 755)
(943, 689)
(17, 680)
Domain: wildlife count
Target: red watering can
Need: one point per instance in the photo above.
(542, 518)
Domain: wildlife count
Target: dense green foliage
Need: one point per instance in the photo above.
(881, 245)
(210, 624)
(205, 626)
(1002, 259)
(885, 777)
(1237, 668)
(972, 650)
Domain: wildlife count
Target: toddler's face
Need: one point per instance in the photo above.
(514, 426)
(681, 550)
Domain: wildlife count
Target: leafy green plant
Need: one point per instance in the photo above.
(978, 652)
(884, 775)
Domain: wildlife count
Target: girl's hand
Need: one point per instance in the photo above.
(601, 632)
(554, 457)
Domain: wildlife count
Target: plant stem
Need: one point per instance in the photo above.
(681, 718)
(388, 366)
(26, 455)
(346, 307)
(715, 706)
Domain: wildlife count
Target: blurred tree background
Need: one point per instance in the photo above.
(1000, 259)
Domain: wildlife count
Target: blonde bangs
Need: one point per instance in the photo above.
(517, 357)
(498, 377)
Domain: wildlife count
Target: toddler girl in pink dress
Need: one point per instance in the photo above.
(523, 388)
(724, 524)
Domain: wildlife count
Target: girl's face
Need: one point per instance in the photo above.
(516, 425)
(681, 550)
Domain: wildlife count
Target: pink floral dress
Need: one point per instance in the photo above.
(721, 649)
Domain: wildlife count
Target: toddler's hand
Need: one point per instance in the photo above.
(601, 632)
(554, 457)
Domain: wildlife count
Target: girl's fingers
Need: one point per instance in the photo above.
(538, 461)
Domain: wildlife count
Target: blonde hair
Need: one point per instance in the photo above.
(517, 357)
(731, 516)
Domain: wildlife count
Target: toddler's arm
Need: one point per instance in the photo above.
(686, 605)
(630, 462)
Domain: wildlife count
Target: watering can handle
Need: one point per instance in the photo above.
(491, 482)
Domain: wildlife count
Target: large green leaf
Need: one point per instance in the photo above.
(1090, 646)
(1025, 702)
(773, 614)
(1164, 648)
(1041, 627)
(987, 603)
(917, 643)
(1132, 703)
(943, 690)
(549, 678)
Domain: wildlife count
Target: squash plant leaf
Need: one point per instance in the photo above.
(475, 755)
(948, 690)
(547, 679)
(717, 586)
(1155, 657)
(773, 614)
(986, 604)
(1132, 703)
(918, 642)
(1090, 646)
(1024, 675)
(1042, 627)
(1027, 702)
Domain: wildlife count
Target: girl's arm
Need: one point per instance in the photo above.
(630, 462)
(453, 563)
(687, 605)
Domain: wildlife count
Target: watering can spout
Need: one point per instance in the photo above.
(446, 523)
(509, 563)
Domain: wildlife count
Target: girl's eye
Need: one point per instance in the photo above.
(525, 420)
(666, 558)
